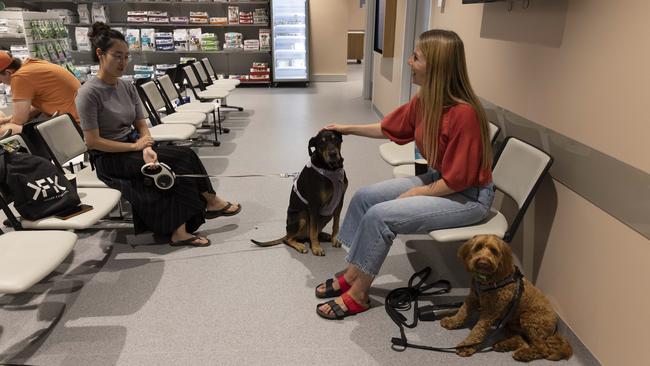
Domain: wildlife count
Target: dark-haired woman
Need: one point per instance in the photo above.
(120, 144)
(449, 126)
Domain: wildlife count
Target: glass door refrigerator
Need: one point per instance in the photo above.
(290, 41)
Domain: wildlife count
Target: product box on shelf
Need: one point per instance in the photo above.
(181, 39)
(84, 13)
(194, 38)
(265, 39)
(209, 42)
(81, 37)
(99, 13)
(133, 38)
(233, 14)
(147, 39)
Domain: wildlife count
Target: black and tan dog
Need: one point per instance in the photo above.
(317, 196)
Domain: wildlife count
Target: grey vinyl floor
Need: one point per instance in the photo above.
(132, 300)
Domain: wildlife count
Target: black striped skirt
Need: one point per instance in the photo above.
(156, 210)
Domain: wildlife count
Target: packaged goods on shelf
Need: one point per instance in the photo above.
(232, 40)
(133, 38)
(194, 38)
(161, 69)
(142, 71)
(209, 42)
(21, 51)
(251, 45)
(233, 14)
(158, 20)
(179, 20)
(99, 13)
(181, 39)
(219, 20)
(260, 65)
(199, 14)
(198, 20)
(137, 19)
(66, 15)
(81, 37)
(164, 41)
(260, 16)
(84, 13)
(94, 69)
(147, 39)
(245, 17)
(156, 13)
(265, 39)
(137, 13)
(185, 59)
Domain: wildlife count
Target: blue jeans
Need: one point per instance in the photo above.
(375, 216)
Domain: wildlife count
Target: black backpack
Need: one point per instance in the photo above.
(37, 188)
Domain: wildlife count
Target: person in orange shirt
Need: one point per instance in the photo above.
(37, 87)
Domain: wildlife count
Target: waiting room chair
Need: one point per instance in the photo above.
(213, 75)
(199, 93)
(166, 132)
(518, 172)
(403, 157)
(170, 93)
(103, 200)
(156, 103)
(26, 257)
(206, 82)
(63, 141)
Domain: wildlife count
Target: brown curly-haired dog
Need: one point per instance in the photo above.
(531, 331)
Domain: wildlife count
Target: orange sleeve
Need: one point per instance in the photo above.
(21, 88)
(461, 161)
(399, 125)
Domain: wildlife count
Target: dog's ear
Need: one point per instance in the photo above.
(505, 266)
(464, 249)
(312, 144)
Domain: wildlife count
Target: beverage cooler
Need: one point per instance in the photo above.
(290, 36)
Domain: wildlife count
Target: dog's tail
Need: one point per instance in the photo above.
(270, 243)
(559, 348)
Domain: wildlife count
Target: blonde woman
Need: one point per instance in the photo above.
(449, 126)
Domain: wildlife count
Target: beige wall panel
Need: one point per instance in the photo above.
(387, 71)
(592, 87)
(329, 37)
(356, 16)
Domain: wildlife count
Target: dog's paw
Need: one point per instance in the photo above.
(319, 251)
(450, 323)
(336, 243)
(465, 351)
(300, 247)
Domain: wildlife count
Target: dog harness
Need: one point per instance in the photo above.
(336, 177)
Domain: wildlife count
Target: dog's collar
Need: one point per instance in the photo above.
(333, 175)
(480, 286)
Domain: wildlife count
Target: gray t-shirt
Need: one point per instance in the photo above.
(112, 109)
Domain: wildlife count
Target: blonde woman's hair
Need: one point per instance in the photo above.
(447, 84)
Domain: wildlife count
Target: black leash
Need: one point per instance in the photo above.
(400, 299)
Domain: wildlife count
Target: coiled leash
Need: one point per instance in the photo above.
(400, 299)
(163, 177)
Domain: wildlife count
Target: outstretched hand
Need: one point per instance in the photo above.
(338, 128)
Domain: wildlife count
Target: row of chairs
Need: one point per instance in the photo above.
(27, 255)
(518, 171)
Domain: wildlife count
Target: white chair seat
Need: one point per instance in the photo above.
(202, 107)
(213, 94)
(26, 257)
(495, 224)
(87, 178)
(404, 171)
(234, 82)
(222, 86)
(102, 199)
(191, 118)
(172, 132)
(395, 154)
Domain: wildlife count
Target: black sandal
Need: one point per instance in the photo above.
(192, 242)
(223, 212)
(353, 308)
(329, 289)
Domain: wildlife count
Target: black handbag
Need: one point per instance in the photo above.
(37, 188)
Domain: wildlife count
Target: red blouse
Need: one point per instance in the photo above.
(460, 147)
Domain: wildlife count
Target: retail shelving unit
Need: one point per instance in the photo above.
(227, 62)
(19, 35)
